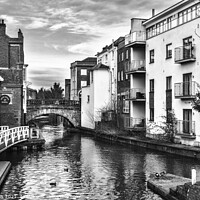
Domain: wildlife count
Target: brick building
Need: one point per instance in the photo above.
(80, 76)
(12, 70)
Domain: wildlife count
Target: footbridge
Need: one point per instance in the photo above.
(12, 136)
(68, 109)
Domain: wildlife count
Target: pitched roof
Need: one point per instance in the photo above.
(99, 66)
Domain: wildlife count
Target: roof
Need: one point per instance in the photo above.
(99, 66)
(167, 11)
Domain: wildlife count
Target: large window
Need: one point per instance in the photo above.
(151, 85)
(168, 51)
(83, 71)
(168, 83)
(151, 54)
(83, 83)
(125, 106)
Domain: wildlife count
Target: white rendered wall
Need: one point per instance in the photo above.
(87, 108)
(101, 91)
(163, 67)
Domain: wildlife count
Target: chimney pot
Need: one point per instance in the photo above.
(153, 12)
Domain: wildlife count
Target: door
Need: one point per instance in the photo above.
(187, 84)
(187, 121)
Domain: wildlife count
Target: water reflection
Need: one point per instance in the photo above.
(78, 167)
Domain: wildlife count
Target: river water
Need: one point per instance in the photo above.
(74, 166)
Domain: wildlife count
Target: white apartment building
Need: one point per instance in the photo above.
(173, 68)
(95, 96)
(108, 56)
(136, 69)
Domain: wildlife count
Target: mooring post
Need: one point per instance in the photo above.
(194, 175)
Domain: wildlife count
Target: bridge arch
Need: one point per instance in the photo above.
(73, 116)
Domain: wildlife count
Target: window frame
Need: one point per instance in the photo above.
(151, 56)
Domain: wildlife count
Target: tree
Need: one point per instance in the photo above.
(196, 102)
(55, 92)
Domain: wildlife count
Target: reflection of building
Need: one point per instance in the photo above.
(67, 89)
(12, 70)
(172, 49)
(95, 96)
(80, 76)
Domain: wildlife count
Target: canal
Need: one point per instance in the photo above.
(74, 166)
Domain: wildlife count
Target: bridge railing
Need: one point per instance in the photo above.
(62, 102)
(10, 136)
(3, 128)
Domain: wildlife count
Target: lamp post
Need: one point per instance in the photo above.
(1, 80)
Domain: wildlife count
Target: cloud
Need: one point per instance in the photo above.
(37, 23)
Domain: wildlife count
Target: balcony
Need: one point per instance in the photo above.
(134, 123)
(185, 54)
(136, 94)
(186, 128)
(185, 90)
(137, 37)
(135, 66)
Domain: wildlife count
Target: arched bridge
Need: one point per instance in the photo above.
(66, 108)
(12, 136)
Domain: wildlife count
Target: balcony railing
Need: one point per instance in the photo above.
(185, 89)
(135, 66)
(186, 127)
(130, 122)
(185, 53)
(135, 37)
(136, 94)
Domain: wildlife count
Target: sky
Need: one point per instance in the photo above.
(59, 32)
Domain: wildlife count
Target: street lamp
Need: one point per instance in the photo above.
(1, 80)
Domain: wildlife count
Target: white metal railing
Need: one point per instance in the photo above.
(3, 128)
(137, 36)
(185, 53)
(185, 89)
(10, 136)
(186, 127)
(135, 65)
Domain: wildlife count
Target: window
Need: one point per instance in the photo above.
(83, 71)
(169, 51)
(83, 83)
(113, 55)
(187, 121)
(92, 76)
(122, 56)
(126, 76)
(151, 114)
(122, 76)
(151, 53)
(88, 98)
(168, 83)
(127, 54)
(118, 76)
(151, 85)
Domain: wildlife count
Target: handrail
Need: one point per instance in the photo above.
(11, 136)
(3, 128)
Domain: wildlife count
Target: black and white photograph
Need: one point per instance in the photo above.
(99, 100)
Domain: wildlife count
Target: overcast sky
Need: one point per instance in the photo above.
(59, 32)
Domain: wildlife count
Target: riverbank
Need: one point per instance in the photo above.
(5, 167)
(177, 149)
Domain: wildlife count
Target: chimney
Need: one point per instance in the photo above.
(2, 27)
(153, 12)
(20, 34)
